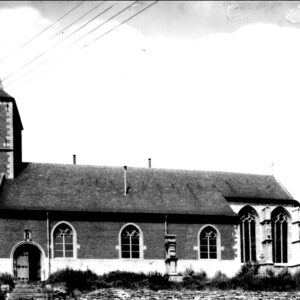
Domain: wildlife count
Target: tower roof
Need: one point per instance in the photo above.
(3, 94)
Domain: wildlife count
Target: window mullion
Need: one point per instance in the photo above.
(64, 245)
(244, 241)
(130, 246)
(250, 248)
(281, 240)
(275, 241)
(208, 247)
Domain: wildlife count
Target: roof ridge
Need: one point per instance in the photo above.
(152, 169)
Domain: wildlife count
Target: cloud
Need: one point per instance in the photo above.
(293, 15)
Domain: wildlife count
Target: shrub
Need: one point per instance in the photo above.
(296, 277)
(127, 280)
(194, 281)
(157, 281)
(74, 279)
(6, 278)
(247, 278)
(285, 281)
(189, 271)
(220, 281)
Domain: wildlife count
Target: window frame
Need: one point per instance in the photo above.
(275, 215)
(250, 211)
(218, 243)
(74, 240)
(141, 242)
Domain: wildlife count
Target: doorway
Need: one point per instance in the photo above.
(27, 263)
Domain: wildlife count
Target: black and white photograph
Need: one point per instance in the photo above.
(149, 150)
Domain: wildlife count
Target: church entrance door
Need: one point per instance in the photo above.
(27, 263)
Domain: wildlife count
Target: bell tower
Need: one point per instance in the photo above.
(10, 136)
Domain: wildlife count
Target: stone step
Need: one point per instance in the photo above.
(29, 291)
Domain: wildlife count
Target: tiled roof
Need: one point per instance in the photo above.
(90, 188)
(3, 94)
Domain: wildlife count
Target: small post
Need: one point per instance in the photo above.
(272, 168)
(149, 163)
(125, 180)
(74, 159)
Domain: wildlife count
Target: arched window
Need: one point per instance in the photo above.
(280, 236)
(63, 241)
(130, 242)
(248, 234)
(208, 243)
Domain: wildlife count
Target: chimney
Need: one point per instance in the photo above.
(125, 180)
(74, 159)
(149, 162)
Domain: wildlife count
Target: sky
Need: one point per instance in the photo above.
(190, 84)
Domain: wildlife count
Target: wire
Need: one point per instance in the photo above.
(45, 61)
(123, 22)
(109, 19)
(53, 46)
(41, 32)
(65, 28)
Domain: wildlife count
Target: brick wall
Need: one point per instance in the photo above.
(12, 232)
(98, 239)
(187, 238)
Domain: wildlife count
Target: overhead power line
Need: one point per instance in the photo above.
(86, 45)
(56, 44)
(45, 61)
(103, 23)
(41, 32)
(67, 27)
(123, 22)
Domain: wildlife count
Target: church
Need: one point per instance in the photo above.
(54, 216)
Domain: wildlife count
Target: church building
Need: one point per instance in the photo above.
(54, 216)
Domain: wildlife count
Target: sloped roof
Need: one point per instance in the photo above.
(90, 188)
(3, 94)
